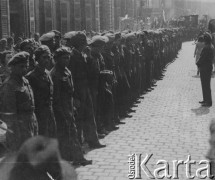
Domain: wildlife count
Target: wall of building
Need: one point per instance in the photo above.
(90, 15)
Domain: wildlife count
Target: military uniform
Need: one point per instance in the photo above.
(42, 86)
(63, 111)
(85, 118)
(17, 105)
(17, 100)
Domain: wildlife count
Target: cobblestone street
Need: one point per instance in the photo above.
(168, 123)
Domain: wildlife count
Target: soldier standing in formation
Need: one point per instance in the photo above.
(42, 86)
(63, 108)
(17, 103)
(82, 93)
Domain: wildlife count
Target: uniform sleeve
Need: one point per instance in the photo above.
(56, 87)
(32, 82)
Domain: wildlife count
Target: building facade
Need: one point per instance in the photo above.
(25, 17)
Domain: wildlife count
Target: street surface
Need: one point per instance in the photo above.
(168, 123)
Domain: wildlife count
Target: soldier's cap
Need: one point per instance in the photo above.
(26, 42)
(62, 51)
(47, 37)
(69, 35)
(111, 37)
(41, 50)
(76, 38)
(19, 58)
(79, 39)
(57, 33)
(3, 40)
(75, 35)
(98, 41)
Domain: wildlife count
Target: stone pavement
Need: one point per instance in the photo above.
(169, 123)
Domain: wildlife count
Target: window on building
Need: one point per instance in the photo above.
(5, 22)
(32, 17)
(48, 15)
(65, 17)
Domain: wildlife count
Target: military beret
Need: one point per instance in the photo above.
(47, 37)
(57, 33)
(41, 50)
(110, 36)
(61, 51)
(70, 34)
(26, 42)
(99, 41)
(78, 38)
(3, 40)
(21, 57)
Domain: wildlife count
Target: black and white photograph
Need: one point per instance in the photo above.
(107, 89)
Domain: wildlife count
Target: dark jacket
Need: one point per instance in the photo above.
(206, 57)
(42, 86)
(17, 106)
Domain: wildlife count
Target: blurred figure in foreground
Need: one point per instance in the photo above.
(37, 159)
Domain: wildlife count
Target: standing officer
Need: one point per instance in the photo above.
(63, 108)
(205, 66)
(42, 86)
(79, 68)
(95, 65)
(17, 103)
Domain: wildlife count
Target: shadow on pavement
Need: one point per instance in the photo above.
(201, 111)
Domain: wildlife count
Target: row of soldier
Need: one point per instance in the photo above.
(77, 89)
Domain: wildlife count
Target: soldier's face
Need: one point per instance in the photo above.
(29, 49)
(20, 69)
(44, 60)
(63, 61)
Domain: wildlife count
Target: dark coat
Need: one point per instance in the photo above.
(63, 110)
(17, 99)
(206, 57)
(42, 86)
